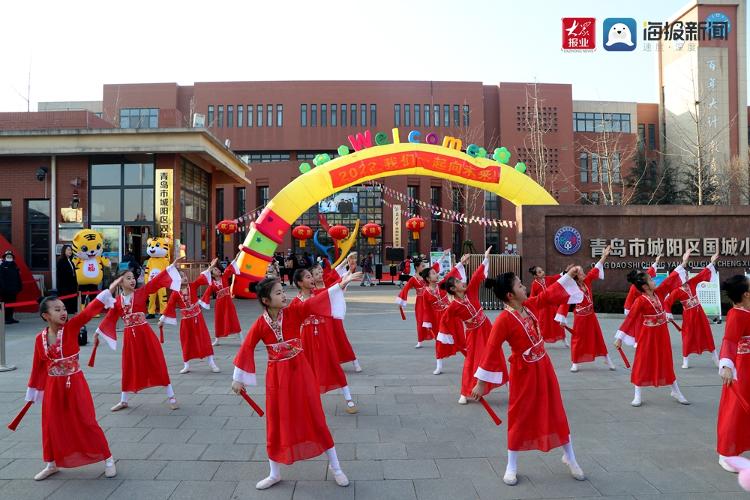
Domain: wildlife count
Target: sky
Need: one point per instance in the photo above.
(70, 49)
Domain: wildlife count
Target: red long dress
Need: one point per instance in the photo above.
(194, 337)
(226, 322)
(344, 348)
(551, 329)
(653, 358)
(296, 426)
(536, 416)
(634, 293)
(316, 333)
(733, 435)
(436, 303)
(418, 284)
(696, 330)
(476, 328)
(71, 436)
(143, 363)
(587, 341)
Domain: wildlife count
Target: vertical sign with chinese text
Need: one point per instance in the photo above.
(709, 295)
(164, 194)
(396, 226)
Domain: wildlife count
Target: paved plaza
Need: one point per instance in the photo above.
(410, 440)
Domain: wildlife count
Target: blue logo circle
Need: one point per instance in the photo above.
(718, 17)
(568, 240)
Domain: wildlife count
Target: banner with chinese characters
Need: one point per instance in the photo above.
(396, 225)
(709, 295)
(164, 194)
(670, 247)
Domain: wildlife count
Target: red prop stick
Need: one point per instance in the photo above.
(14, 424)
(403, 316)
(92, 359)
(570, 330)
(743, 402)
(252, 403)
(624, 358)
(675, 325)
(490, 411)
(161, 333)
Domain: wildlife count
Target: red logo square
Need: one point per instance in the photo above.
(578, 33)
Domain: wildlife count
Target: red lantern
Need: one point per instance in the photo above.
(227, 226)
(371, 231)
(338, 233)
(302, 233)
(415, 225)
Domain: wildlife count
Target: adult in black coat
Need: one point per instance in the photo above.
(10, 284)
(67, 282)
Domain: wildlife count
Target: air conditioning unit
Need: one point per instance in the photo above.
(199, 120)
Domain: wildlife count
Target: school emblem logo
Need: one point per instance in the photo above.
(568, 240)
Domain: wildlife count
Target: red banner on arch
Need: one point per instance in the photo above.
(395, 162)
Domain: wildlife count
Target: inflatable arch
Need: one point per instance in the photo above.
(445, 161)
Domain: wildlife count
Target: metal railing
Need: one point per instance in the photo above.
(498, 264)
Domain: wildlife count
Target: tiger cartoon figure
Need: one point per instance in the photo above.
(88, 246)
(158, 253)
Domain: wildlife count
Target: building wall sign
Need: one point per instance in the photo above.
(164, 202)
(396, 225)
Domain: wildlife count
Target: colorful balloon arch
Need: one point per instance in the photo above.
(369, 162)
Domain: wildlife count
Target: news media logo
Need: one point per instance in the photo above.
(568, 240)
(579, 34)
(619, 34)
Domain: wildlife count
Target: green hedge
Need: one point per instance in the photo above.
(613, 302)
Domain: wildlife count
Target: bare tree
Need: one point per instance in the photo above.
(538, 121)
(609, 151)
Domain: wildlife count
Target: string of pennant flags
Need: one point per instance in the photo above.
(444, 214)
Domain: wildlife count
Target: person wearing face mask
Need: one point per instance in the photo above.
(67, 283)
(10, 284)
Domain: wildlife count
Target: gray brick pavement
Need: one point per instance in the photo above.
(409, 441)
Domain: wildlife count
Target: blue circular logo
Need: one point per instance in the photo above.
(718, 17)
(568, 240)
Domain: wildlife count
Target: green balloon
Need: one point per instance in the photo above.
(472, 150)
(501, 155)
(321, 159)
(482, 153)
(521, 167)
(343, 150)
(304, 168)
(381, 139)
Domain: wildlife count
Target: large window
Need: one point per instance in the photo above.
(262, 195)
(651, 136)
(601, 122)
(259, 115)
(303, 115)
(641, 136)
(343, 115)
(240, 117)
(353, 115)
(417, 116)
(220, 216)
(139, 118)
(363, 115)
(323, 115)
(583, 167)
(240, 209)
(250, 115)
(313, 115)
(37, 234)
(220, 116)
(492, 211)
(230, 116)
(269, 115)
(6, 214)
(594, 167)
(446, 115)
(456, 115)
(122, 190)
(435, 115)
(407, 115)
(435, 194)
(616, 167)
(426, 108)
(466, 115)
(194, 227)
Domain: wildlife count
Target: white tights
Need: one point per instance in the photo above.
(347, 394)
(333, 462)
(170, 394)
(570, 456)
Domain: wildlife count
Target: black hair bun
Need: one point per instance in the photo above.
(633, 276)
(253, 287)
(490, 283)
